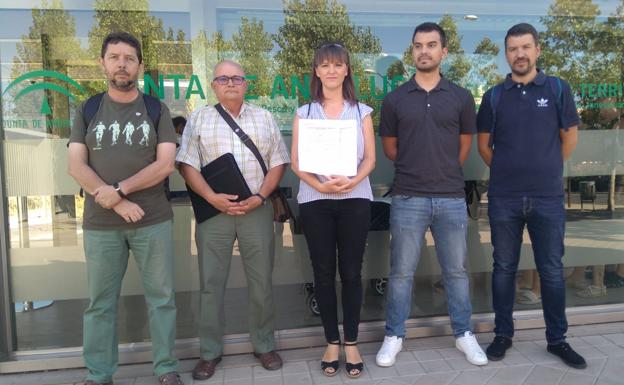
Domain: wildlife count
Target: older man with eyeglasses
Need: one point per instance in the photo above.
(250, 221)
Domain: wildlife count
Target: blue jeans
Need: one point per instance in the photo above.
(410, 217)
(545, 220)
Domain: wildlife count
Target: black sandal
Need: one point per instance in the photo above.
(331, 365)
(353, 370)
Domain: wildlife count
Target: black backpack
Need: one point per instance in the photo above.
(92, 105)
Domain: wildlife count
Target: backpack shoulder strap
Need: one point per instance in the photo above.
(91, 107)
(152, 105)
(557, 89)
(495, 96)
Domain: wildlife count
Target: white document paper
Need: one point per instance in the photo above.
(328, 146)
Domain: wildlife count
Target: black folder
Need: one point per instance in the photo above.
(223, 176)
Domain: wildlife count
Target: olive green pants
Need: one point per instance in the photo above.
(215, 240)
(106, 253)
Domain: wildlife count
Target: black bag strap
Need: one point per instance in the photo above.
(92, 105)
(242, 135)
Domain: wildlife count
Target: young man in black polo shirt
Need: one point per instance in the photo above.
(527, 127)
(426, 127)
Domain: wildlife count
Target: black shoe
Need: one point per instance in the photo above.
(498, 347)
(569, 356)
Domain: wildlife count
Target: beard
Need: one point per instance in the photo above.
(523, 71)
(431, 66)
(122, 85)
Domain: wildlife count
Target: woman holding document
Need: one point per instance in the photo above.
(333, 152)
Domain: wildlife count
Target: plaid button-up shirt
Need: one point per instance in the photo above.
(207, 136)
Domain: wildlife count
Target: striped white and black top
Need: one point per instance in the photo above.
(349, 112)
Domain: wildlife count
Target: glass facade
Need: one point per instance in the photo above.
(48, 65)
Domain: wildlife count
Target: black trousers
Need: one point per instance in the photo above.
(341, 225)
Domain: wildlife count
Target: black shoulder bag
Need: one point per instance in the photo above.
(281, 210)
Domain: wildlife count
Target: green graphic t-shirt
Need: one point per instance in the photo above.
(121, 140)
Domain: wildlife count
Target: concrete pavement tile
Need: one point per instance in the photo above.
(474, 377)
(239, 360)
(559, 365)
(409, 368)
(377, 372)
(275, 380)
(613, 370)
(515, 358)
(450, 353)
(405, 356)
(596, 340)
(133, 371)
(237, 373)
(427, 355)
(511, 375)
(260, 372)
(605, 381)
(391, 381)
(186, 365)
(187, 378)
(576, 341)
(616, 338)
(216, 378)
(577, 378)
(611, 350)
(461, 364)
(151, 380)
(589, 352)
(62, 376)
(544, 375)
(369, 347)
(438, 366)
(294, 367)
(436, 379)
(21, 379)
(594, 366)
(297, 379)
(496, 364)
(542, 356)
(429, 343)
(302, 354)
(239, 381)
(323, 380)
(527, 347)
(125, 381)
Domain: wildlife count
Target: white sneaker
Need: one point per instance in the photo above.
(468, 345)
(386, 356)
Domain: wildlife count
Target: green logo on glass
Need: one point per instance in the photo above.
(45, 106)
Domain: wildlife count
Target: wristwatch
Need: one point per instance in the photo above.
(117, 188)
(261, 197)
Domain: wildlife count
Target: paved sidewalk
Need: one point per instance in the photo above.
(424, 361)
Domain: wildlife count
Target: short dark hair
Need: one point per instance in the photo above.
(430, 27)
(178, 120)
(122, 37)
(522, 29)
(337, 53)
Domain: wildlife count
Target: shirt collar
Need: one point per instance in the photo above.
(443, 84)
(539, 80)
(242, 110)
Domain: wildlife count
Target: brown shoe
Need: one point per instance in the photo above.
(205, 369)
(171, 378)
(269, 360)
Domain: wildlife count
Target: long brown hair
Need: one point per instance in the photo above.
(335, 53)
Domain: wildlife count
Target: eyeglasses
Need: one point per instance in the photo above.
(224, 80)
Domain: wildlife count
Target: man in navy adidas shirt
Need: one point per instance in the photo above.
(527, 127)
